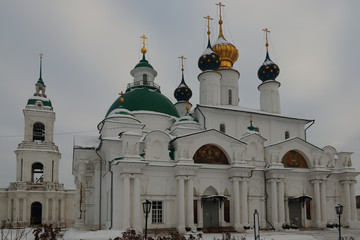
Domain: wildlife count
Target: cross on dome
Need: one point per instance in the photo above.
(143, 49)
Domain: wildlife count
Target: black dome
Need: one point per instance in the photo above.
(210, 60)
(182, 92)
(268, 70)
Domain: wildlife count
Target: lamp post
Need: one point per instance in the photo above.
(146, 208)
(339, 210)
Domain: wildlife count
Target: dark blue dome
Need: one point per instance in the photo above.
(268, 70)
(210, 60)
(182, 92)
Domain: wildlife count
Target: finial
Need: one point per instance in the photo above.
(251, 127)
(220, 21)
(121, 96)
(187, 106)
(266, 37)
(208, 22)
(143, 49)
(182, 63)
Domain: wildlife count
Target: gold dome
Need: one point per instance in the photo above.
(227, 52)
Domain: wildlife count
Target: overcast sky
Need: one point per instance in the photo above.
(90, 47)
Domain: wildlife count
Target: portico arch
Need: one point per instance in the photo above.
(210, 154)
(294, 159)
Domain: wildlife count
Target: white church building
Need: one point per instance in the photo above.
(37, 197)
(209, 165)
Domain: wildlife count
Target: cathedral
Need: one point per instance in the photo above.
(210, 165)
(37, 197)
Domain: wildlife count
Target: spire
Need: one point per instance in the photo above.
(40, 81)
(220, 20)
(182, 92)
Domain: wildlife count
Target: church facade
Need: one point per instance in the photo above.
(37, 197)
(211, 165)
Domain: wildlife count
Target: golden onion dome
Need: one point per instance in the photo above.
(227, 52)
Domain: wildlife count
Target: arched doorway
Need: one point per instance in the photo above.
(211, 206)
(36, 213)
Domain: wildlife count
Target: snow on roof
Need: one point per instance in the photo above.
(86, 141)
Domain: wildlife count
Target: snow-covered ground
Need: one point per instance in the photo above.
(327, 234)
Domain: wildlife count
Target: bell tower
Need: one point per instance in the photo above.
(37, 156)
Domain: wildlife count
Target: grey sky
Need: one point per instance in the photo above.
(90, 47)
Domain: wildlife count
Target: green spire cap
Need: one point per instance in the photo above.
(144, 63)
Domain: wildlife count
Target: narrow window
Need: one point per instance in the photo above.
(157, 212)
(145, 79)
(38, 132)
(195, 212)
(52, 171)
(227, 211)
(37, 173)
(287, 134)
(230, 96)
(222, 127)
(21, 170)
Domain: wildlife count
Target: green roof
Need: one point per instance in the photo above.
(46, 102)
(145, 99)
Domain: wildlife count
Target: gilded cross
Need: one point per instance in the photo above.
(266, 37)
(208, 22)
(182, 63)
(143, 37)
(220, 5)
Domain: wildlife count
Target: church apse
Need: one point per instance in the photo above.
(210, 154)
(293, 159)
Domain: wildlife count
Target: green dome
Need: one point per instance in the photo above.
(145, 99)
(144, 63)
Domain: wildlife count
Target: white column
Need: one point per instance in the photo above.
(137, 204)
(353, 202)
(347, 204)
(62, 210)
(24, 210)
(181, 205)
(199, 213)
(236, 202)
(53, 214)
(17, 208)
(323, 202)
(317, 202)
(126, 202)
(281, 207)
(46, 215)
(190, 205)
(10, 209)
(273, 202)
(244, 202)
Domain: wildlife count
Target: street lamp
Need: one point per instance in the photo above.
(146, 208)
(339, 210)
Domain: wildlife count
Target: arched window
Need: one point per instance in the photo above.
(230, 96)
(287, 134)
(37, 173)
(222, 127)
(38, 132)
(145, 79)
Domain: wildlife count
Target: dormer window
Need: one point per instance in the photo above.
(39, 132)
